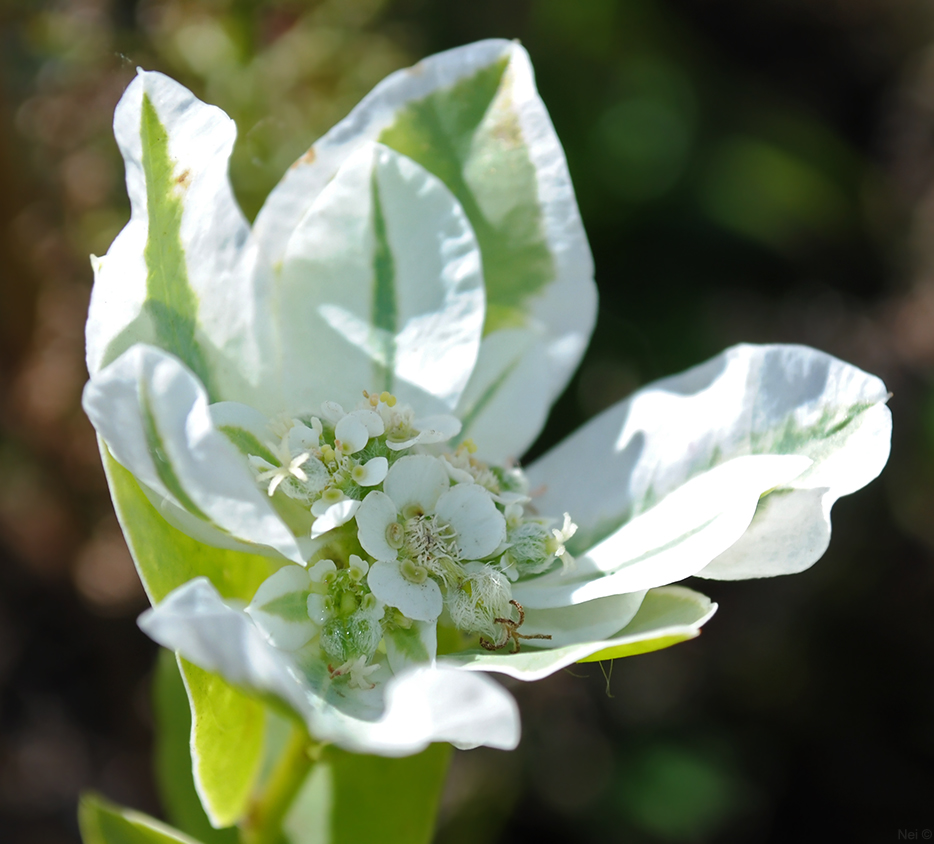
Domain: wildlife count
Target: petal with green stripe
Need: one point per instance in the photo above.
(153, 414)
(401, 716)
(750, 400)
(666, 616)
(381, 288)
(412, 645)
(280, 608)
(178, 275)
(673, 540)
(473, 118)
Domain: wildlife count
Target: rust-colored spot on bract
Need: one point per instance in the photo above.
(184, 180)
(307, 158)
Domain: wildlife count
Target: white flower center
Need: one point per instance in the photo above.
(404, 535)
(428, 541)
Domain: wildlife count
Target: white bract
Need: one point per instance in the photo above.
(343, 388)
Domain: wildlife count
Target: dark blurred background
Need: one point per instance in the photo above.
(746, 171)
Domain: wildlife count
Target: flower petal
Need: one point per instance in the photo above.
(177, 277)
(472, 117)
(352, 434)
(414, 709)
(430, 429)
(416, 645)
(589, 622)
(371, 420)
(672, 540)
(437, 429)
(480, 527)
(438, 704)
(667, 615)
(381, 286)
(280, 608)
(416, 480)
(372, 472)
(153, 414)
(376, 513)
(748, 400)
(334, 516)
(419, 601)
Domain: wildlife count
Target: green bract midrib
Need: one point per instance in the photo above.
(385, 307)
(442, 132)
(171, 304)
(164, 468)
(293, 606)
(835, 425)
(247, 443)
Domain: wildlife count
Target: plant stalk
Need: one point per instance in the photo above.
(263, 825)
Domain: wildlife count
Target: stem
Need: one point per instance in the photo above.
(264, 823)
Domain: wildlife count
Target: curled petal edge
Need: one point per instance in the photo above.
(420, 706)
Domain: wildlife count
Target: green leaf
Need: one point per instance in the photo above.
(172, 756)
(227, 735)
(103, 822)
(349, 799)
(228, 726)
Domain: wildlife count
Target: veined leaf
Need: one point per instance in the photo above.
(170, 302)
(383, 268)
(469, 136)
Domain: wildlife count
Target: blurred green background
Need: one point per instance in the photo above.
(746, 171)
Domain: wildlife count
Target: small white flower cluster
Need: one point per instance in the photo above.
(407, 537)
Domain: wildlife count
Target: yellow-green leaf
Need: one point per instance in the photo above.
(350, 799)
(227, 735)
(103, 822)
(227, 732)
(165, 557)
(172, 756)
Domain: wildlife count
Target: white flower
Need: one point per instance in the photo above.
(421, 533)
(425, 267)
